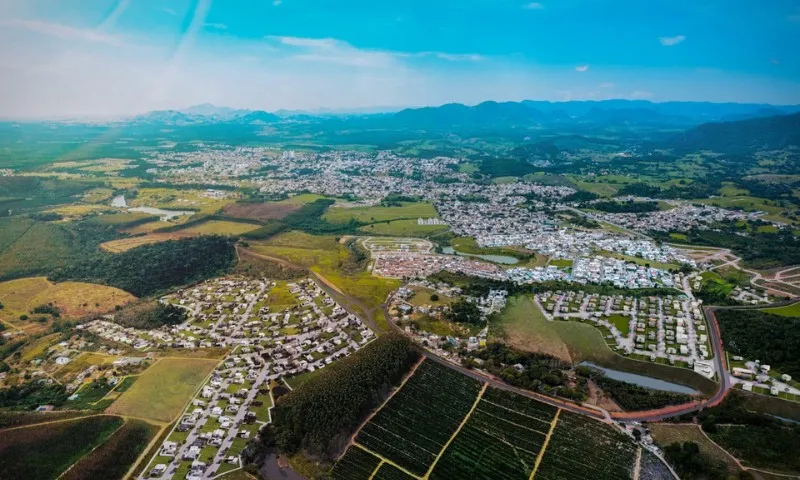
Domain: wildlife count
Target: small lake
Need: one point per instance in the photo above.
(504, 259)
(164, 214)
(119, 201)
(642, 380)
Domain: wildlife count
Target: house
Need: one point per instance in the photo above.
(158, 470)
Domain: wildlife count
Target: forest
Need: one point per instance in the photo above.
(753, 334)
(150, 314)
(632, 397)
(318, 417)
(149, 269)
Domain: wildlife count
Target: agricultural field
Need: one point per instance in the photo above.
(582, 448)
(43, 452)
(164, 389)
(502, 439)
(407, 210)
(403, 228)
(419, 420)
(40, 248)
(219, 227)
(441, 425)
(125, 244)
(263, 211)
(124, 219)
(113, 459)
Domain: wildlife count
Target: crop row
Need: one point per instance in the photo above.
(518, 403)
(413, 427)
(390, 472)
(355, 464)
(582, 448)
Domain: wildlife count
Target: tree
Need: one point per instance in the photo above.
(434, 298)
(464, 312)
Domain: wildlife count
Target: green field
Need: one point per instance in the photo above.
(407, 210)
(164, 389)
(43, 452)
(792, 310)
(220, 227)
(403, 228)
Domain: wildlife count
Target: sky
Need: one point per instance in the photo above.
(73, 58)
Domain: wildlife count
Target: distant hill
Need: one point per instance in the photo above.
(741, 137)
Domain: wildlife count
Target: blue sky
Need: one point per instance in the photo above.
(110, 57)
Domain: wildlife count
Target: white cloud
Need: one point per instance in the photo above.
(533, 6)
(670, 41)
(331, 50)
(606, 85)
(582, 68)
(66, 32)
(277, 2)
(169, 11)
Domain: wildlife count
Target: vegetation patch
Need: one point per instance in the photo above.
(147, 315)
(403, 210)
(754, 334)
(113, 459)
(164, 389)
(45, 451)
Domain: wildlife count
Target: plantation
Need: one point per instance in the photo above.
(115, 456)
(45, 451)
(581, 448)
(419, 420)
(502, 438)
(387, 471)
(356, 464)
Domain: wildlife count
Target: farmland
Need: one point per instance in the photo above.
(116, 455)
(406, 210)
(45, 451)
(219, 227)
(443, 425)
(263, 211)
(163, 389)
(420, 419)
(581, 448)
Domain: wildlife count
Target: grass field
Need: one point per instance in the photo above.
(403, 228)
(792, 310)
(122, 219)
(74, 299)
(125, 244)
(171, 199)
(164, 389)
(666, 433)
(407, 210)
(523, 325)
(219, 227)
(45, 451)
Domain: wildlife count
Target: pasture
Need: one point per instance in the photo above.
(173, 199)
(73, 299)
(263, 211)
(164, 389)
(792, 310)
(373, 214)
(218, 227)
(403, 228)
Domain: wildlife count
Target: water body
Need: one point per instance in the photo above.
(272, 470)
(164, 214)
(643, 381)
(504, 259)
(119, 201)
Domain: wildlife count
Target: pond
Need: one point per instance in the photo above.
(643, 381)
(164, 214)
(504, 259)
